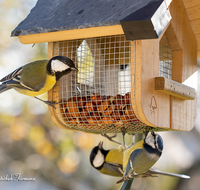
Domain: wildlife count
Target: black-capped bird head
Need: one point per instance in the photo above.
(153, 144)
(60, 65)
(98, 155)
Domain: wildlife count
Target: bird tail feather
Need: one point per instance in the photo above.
(154, 171)
(4, 87)
(171, 174)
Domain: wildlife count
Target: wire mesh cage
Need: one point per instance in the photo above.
(165, 69)
(100, 97)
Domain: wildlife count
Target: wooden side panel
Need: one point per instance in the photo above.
(153, 107)
(50, 93)
(160, 109)
(177, 66)
(193, 13)
(198, 44)
(190, 3)
(183, 112)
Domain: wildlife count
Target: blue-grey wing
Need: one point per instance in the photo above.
(129, 168)
(129, 172)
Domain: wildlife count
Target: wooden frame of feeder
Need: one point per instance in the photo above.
(158, 107)
(159, 102)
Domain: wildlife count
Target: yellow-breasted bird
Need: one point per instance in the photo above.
(140, 157)
(110, 162)
(38, 77)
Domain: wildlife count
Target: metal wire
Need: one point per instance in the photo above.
(99, 98)
(165, 69)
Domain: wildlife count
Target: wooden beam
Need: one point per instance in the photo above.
(152, 108)
(50, 92)
(177, 66)
(195, 24)
(193, 12)
(174, 88)
(183, 112)
(198, 44)
(138, 84)
(172, 38)
(71, 34)
(190, 3)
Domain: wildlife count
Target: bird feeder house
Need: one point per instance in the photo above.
(137, 62)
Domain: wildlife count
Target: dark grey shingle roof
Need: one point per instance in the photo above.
(59, 15)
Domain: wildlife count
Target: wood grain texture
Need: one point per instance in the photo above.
(50, 93)
(172, 38)
(193, 12)
(183, 112)
(177, 66)
(164, 110)
(174, 88)
(195, 26)
(198, 44)
(71, 34)
(52, 111)
(137, 104)
(153, 107)
(190, 3)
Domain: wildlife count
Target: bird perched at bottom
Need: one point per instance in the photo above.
(38, 77)
(140, 157)
(110, 162)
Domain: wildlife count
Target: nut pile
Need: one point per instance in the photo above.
(97, 109)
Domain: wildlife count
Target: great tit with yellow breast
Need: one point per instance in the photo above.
(110, 162)
(38, 77)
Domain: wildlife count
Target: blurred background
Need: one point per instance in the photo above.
(32, 145)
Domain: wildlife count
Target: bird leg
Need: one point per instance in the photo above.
(123, 136)
(121, 171)
(49, 103)
(110, 138)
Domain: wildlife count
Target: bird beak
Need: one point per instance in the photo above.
(100, 145)
(74, 69)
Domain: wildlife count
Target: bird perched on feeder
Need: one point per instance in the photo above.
(140, 157)
(110, 162)
(38, 77)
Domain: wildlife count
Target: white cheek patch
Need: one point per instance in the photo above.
(57, 65)
(150, 141)
(98, 160)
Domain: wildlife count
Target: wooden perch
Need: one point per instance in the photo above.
(174, 88)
